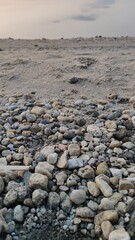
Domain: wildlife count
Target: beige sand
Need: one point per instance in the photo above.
(105, 65)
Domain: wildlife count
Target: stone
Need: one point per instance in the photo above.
(119, 234)
(66, 203)
(53, 200)
(107, 228)
(38, 196)
(47, 150)
(74, 149)
(94, 130)
(109, 215)
(84, 212)
(38, 180)
(18, 214)
(37, 110)
(63, 162)
(52, 158)
(75, 163)
(115, 144)
(78, 196)
(111, 124)
(102, 168)
(3, 161)
(93, 205)
(93, 189)
(10, 198)
(3, 225)
(128, 145)
(104, 186)
(125, 184)
(44, 168)
(72, 180)
(86, 172)
(61, 178)
(1, 184)
(116, 172)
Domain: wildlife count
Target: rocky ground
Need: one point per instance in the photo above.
(81, 177)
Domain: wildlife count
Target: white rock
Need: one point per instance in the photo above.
(119, 234)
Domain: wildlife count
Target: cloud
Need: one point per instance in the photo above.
(86, 18)
(103, 3)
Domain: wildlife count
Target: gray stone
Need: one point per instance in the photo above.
(75, 163)
(18, 213)
(53, 200)
(38, 196)
(78, 196)
(1, 184)
(84, 212)
(119, 234)
(38, 180)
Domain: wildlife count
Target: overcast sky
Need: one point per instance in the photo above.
(66, 18)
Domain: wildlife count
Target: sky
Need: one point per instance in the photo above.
(32, 19)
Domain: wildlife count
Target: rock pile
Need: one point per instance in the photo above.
(81, 166)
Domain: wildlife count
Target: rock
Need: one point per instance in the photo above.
(18, 213)
(74, 149)
(53, 200)
(84, 212)
(47, 150)
(75, 163)
(102, 168)
(115, 144)
(44, 168)
(93, 189)
(128, 145)
(110, 215)
(3, 225)
(120, 134)
(62, 162)
(10, 198)
(107, 228)
(66, 203)
(117, 173)
(103, 186)
(52, 158)
(61, 177)
(120, 234)
(78, 196)
(72, 180)
(86, 172)
(37, 110)
(93, 205)
(94, 130)
(111, 124)
(38, 196)
(125, 184)
(1, 184)
(38, 180)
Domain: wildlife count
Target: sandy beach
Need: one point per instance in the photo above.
(103, 66)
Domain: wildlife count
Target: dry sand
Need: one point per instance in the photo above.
(104, 66)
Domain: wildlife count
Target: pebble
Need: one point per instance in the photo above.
(120, 234)
(78, 196)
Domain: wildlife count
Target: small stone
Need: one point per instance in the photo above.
(66, 203)
(37, 110)
(72, 180)
(93, 189)
(86, 172)
(61, 177)
(103, 186)
(44, 168)
(107, 228)
(52, 158)
(53, 200)
(84, 212)
(115, 144)
(125, 184)
(1, 184)
(119, 234)
(75, 163)
(93, 205)
(47, 150)
(38, 180)
(94, 130)
(78, 196)
(111, 124)
(10, 198)
(128, 145)
(102, 168)
(38, 196)
(18, 214)
(117, 173)
(62, 162)
(74, 150)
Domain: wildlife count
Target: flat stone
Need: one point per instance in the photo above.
(37, 110)
(78, 196)
(125, 184)
(63, 162)
(119, 234)
(128, 145)
(115, 144)
(75, 163)
(10, 198)
(116, 172)
(102, 168)
(47, 150)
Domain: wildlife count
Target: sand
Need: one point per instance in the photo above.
(103, 66)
